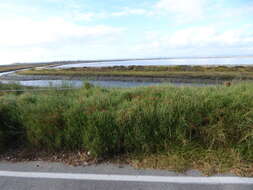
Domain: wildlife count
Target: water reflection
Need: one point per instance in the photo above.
(79, 83)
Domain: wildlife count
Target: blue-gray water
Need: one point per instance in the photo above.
(162, 62)
(167, 62)
(79, 83)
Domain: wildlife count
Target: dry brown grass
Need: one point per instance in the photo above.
(208, 162)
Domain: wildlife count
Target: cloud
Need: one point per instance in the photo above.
(199, 38)
(27, 32)
(130, 11)
(210, 36)
(69, 30)
(85, 16)
(24, 39)
(178, 11)
(91, 16)
(22, 54)
(183, 9)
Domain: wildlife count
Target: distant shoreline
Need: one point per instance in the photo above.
(129, 59)
(186, 74)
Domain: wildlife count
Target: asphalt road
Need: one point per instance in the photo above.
(54, 176)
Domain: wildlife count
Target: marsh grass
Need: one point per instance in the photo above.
(15, 86)
(190, 72)
(165, 126)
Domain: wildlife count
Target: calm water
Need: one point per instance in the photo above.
(167, 62)
(125, 84)
(6, 73)
(78, 83)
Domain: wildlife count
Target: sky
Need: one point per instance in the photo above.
(54, 30)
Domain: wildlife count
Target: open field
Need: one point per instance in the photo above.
(207, 128)
(183, 72)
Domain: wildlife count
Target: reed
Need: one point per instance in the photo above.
(155, 120)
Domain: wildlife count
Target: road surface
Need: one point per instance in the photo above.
(56, 176)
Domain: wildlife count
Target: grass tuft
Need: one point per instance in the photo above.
(165, 126)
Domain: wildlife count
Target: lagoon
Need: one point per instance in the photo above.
(167, 62)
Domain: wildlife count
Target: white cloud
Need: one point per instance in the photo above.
(183, 10)
(60, 35)
(91, 16)
(209, 36)
(24, 39)
(129, 11)
(198, 38)
(25, 31)
(85, 16)
(22, 54)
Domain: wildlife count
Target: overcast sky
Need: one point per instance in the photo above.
(48, 30)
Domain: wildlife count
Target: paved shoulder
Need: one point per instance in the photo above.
(43, 175)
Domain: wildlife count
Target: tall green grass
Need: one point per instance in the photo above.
(148, 120)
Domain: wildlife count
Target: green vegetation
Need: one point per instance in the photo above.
(207, 128)
(191, 72)
(15, 87)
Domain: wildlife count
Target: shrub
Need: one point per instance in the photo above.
(11, 128)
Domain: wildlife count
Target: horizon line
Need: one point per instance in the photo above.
(134, 59)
